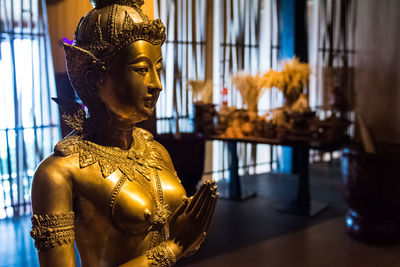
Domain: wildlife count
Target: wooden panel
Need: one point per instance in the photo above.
(377, 79)
(148, 8)
(64, 16)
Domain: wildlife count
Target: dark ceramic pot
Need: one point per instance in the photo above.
(372, 191)
(187, 153)
(204, 118)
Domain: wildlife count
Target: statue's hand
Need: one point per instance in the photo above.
(190, 222)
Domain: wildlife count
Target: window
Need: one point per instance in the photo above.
(243, 37)
(28, 118)
(184, 57)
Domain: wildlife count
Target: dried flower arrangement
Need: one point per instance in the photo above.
(291, 81)
(251, 89)
(202, 91)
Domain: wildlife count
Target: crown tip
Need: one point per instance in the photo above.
(103, 3)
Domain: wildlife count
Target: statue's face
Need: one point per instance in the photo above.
(131, 87)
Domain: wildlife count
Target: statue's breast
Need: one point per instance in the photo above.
(134, 207)
(128, 209)
(137, 205)
(130, 204)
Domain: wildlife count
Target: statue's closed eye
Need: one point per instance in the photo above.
(141, 70)
(160, 70)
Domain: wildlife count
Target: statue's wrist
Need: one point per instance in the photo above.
(162, 255)
(175, 248)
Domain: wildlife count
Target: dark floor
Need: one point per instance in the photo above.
(237, 224)
(322, 245)
(16, 245)
(241, 224)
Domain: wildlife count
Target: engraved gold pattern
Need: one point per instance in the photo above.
(105, 46)
(161, 256)
(112, 201)
(73, 113)
(103, 3)
(50, 231)
(139, 159)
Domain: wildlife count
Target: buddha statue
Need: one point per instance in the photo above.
(109, 187)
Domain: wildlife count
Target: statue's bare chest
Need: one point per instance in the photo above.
(133, 189)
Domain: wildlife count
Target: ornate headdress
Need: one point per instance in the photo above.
(104, 3)
(101, 34)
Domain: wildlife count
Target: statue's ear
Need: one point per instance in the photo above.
(92, 78)
(84, 69)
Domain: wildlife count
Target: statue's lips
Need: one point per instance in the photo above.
(151, 100)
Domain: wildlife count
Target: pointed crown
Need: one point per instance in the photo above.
(104, 32)
(104, 3)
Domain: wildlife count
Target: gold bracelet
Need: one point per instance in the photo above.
(51, 231)
(161, 255)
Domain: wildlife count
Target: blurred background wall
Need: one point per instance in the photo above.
(377, 78)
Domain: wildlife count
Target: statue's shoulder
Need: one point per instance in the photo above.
(143, 134)
(57, 168)
(68, 146)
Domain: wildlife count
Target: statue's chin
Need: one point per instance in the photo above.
(143, 115)
(131, 116)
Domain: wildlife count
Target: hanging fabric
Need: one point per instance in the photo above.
(29, 125)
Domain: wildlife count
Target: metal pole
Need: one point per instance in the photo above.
(43, 19)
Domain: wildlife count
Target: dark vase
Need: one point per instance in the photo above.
(204, 117)
(187, 153)
(372, 191)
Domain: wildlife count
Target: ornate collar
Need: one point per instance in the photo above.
(140, 158)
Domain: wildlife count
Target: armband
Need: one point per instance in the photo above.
(51, 231)
(161, 256)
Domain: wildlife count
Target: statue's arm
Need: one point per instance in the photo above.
(53, 217)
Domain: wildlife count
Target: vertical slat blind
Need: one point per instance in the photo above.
(28, 119)
(243, 41)
(332, 29)
(248, 41)
(184, 57)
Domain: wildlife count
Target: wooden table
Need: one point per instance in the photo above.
(301, 146)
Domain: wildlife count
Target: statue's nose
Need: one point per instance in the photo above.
(154, 80)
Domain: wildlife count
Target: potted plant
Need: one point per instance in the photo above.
(291, 81)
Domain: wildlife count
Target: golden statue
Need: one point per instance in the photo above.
(109, 186)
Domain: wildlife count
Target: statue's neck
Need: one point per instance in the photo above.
(117, 133)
